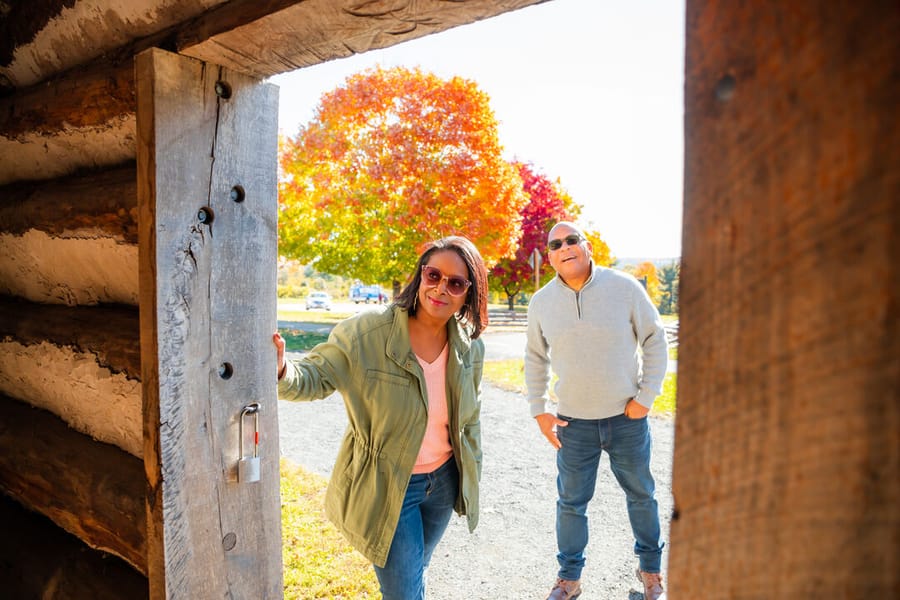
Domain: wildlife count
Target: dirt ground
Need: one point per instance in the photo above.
(512, 553)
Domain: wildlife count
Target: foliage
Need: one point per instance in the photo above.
(645, 272)
(601, 254)
(547, 204)
(670, 279)
(318, 562)
(392, 159)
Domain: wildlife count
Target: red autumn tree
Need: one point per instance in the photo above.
(548, 203)
(392, 159)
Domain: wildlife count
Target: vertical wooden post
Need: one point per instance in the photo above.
(787, 452)
(206, 147)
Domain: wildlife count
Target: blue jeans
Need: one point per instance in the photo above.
(427, 508)
(627, 442)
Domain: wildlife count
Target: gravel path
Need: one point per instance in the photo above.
(512, 554)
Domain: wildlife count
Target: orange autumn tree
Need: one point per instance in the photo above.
(647, 274)
(601, 255)
(394, 158)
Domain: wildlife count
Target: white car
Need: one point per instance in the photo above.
(318, 300)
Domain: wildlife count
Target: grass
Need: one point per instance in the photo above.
(325, 317)
(297, 340)
(318, 562)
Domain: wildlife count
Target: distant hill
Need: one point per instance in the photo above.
(636, 260)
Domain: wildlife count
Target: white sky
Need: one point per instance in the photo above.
(588, 91)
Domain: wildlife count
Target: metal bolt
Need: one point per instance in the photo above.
(237, 193)
(205, 215)
(725, 88)
(229, 541)
(223, 90)
(226, 370)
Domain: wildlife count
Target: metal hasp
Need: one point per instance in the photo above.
(248, 466)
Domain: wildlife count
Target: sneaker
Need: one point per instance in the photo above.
(565, 590)
(653, 587)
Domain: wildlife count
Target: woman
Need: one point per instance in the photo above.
(409, 374)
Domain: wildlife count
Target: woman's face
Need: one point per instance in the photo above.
(434, 298)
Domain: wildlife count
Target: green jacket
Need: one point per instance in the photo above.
(368, 359)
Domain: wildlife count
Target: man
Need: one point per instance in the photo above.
(602, 336)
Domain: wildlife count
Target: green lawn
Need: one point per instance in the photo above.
(318, 562)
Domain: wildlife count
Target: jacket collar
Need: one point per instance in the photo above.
(399, 350)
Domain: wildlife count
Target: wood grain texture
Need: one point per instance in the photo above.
(40, 560)
(207, 298)
(787, 447)
(277, 37)
(104, 201)
(94, 491)
(109, 332)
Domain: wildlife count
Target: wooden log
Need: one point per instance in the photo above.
(276, 37)
(83, 117)
(207, 317)
(100, 203)
(786, 466)
(71, 240)
(92, 490)
(82, 364)
(40, 560)
(109, 332)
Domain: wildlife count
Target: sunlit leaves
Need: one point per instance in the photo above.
(548, 203)
(392, 159)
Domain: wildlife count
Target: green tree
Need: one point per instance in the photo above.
(669, 278)
(392, 159)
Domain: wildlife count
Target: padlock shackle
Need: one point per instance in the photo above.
(250, 409)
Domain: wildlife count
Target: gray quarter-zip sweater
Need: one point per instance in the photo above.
(606, 343)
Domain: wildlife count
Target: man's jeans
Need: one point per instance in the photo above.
(627, 442)
(427, 508)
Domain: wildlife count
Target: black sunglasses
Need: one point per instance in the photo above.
(570, 239)
(456, 286)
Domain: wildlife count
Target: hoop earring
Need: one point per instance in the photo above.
(415, 301)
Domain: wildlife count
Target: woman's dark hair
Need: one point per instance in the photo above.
(473, 314)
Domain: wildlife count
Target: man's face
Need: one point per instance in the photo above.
(571, 261)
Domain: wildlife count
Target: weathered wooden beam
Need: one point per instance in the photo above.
(92, 490)
(207, 316)
(786, 465)
(110, 333)
(88, 205)
(83, 117)
(267, 38)
(71, 240)
(88, 96)
(40, 560)
(81, 364)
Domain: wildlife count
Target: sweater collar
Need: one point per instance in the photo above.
(590, 279)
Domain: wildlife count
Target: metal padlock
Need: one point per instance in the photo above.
(248, 466)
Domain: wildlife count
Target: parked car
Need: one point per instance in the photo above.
(318, 300)
(367, 293)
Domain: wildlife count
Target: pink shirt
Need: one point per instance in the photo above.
(436, 448)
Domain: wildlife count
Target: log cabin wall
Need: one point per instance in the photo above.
(85, 453)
